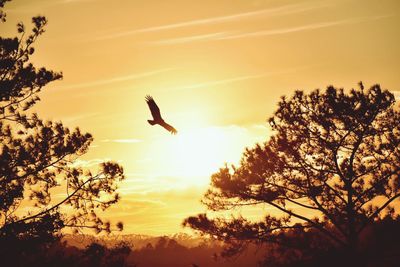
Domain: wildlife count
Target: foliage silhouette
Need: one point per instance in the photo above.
(171, 252)
(330, 169)
(38, 156)
(59, 254)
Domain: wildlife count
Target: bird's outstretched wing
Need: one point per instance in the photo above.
(157, 119)
(155, 111)
(169, 127)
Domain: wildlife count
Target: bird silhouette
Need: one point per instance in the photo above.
(157, 119)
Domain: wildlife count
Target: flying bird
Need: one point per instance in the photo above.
(157, 119)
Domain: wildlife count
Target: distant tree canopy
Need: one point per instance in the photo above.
(332, 167)
(38, 156)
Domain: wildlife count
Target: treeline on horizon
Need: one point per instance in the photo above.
(379, 244)
(334, 153)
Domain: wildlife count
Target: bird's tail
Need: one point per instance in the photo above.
(151, 122)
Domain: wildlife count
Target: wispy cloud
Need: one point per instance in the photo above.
(231, 35)
(143, 201)
(223, 81)
(116, 79)
(88, 163)
(281, 10)
(260, 126)
(303, 28)
(39, 5)
(238, 79)
(188, 39)
(131, 140)
(79, 117)
(75, 1)
(396, 94)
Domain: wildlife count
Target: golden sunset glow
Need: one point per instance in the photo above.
(216, 70)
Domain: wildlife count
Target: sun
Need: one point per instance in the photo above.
(199, 152)
(195, 153)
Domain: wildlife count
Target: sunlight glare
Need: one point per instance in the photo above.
(194, 154)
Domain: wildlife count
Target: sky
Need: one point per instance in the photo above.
(216, 69)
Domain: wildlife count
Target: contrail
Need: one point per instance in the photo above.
(303, 28)
(188, 39)
(228, 36)
(282, 10)
(117, 79)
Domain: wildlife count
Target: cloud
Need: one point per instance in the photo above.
(188, 39)
(302, 28)
(238, 79)
(223, 81)
(88, 163)
(79, 117)
(281, 10)
(272, 32)
(261, 126)
(117, 79)
(129, 141)
(39, 5)
(396, 94)
(134, 206)
(75, 1)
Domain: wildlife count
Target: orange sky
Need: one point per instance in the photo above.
(215, 68)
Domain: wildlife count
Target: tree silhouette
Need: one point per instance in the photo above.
(38, 156)
(331, 168)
